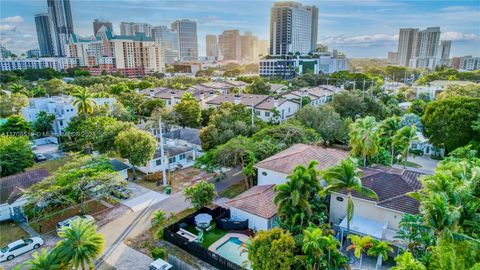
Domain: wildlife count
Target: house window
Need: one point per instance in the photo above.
(267, 114)
(172, 159)
(257, 112)
(181, 157)
(264, 173)
(61, 122)
(158, 162)
(340, 199)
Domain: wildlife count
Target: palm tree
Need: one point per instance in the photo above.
(379, 249)
(188, 96)
(403, 138)
(81, 244)
(17, 88)
(83, 101)
(416, 234)
(360, 244)
(45, 260)
(345, 176)
(364, 139)
(406, 261)
(387, 130)
(316, 245)
(157, 221)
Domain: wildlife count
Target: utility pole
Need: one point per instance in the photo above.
(162, 152)
(253, 116)
(363, 88)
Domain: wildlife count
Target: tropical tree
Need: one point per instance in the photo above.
(387, 129)
(380, 249)
(137, 146)
(83, 100)
(158, 219)
(415, 233)
(81, 244)
(273, 249)
(189, 111)
(15, 154)
(16, 125)
(43, 124)
(403, 139)
(46, 260)
(364, 139)
(406, 261)
(346, 176)
(322, 249)
(200, 194)
(360, 244)
(17, 88)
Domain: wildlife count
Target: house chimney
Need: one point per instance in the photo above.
(275, 102)
(237, 99)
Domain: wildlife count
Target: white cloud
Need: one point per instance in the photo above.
(14, 19)
(7, 27)
(459, 36)
(359, 39)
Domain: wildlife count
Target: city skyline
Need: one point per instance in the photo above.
(366, 29)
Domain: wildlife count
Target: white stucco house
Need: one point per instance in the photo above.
(424, 145)
(255, 205)
(61, 106)
(378, 218)
(318, 95)
(12, 198)
(275, 169)
(433, 88)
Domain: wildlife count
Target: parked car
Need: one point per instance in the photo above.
(40, 157)
(33, 145)
(121, 192)
(68, 221)
(19, 247)
(160, 264)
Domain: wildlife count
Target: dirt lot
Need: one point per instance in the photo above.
(178, 179)
(9, 232)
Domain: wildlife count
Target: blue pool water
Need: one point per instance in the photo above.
(232, 250)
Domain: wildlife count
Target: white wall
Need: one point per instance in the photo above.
(271, 177)
(363, 208)
(254, 222)
(289, 108)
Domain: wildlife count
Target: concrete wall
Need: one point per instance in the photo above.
(364, 208)
(268, 177)
(254, 222)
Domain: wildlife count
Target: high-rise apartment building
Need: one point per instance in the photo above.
(61, 18)
(187, 39)
(131, 28)
(167, 39)
(293, 28)
(211, 46)
(392, 57)
(46, 35)
(444, 52)
(230, 45)
(249, 47)
(406, 41)
(97, 24)
(425, 49)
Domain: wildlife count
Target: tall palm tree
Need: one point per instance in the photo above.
(83, 101)
(379, 249)
(17, 88)
(403, 138)
(406, 261)
(45, 260)
(346, 176)
(81, 244)
(387, 130)
(319, 248)
(364, 139)
(360, 244)
(188, 96)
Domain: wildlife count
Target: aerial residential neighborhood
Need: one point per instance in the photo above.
(263, 135)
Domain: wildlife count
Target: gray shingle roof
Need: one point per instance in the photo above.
(11, 185)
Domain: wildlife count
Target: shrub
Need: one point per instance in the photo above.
(154, 177)
(159, 253)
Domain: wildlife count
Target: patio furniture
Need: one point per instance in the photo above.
(203, 220)
(190, 236)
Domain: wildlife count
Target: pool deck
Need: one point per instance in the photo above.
(242, 237)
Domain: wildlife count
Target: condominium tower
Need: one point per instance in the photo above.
(249, 46)
(211, 46)
(230, 45)
(425, 49)
(444, 52)
(187, 39)
(131, 28)
(293, 28)
(62, 22)
(406, 40)
(45, 35)
(167, 39)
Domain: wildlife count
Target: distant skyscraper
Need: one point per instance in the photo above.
(230, 45)
(97, 24)
(406, 40)
(33, 53)
(249, 47)
(61, 16)
(392, 57)
(263, 47)
(444, 50)
(425, 49)
(168, 40)
(45, 35)
(293, 28)
(130, 28)
(211, 45)
(187, 39)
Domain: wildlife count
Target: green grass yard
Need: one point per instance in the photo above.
(210, 237)
(10, 232)
(233, 190)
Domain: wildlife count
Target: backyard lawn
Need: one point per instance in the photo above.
(210, 237)
(10, 232)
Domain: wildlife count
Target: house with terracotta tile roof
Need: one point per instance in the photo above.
(264, 106)
(173, 96)
(318, 95)
(275, 169)
(378, 218)
(255, 205)
(12, 188)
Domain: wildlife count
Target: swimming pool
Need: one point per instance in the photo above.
(232, 250)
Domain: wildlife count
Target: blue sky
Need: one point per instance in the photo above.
(367, 28)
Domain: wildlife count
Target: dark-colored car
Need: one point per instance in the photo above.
(40, 157)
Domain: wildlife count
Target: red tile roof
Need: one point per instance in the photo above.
(258, 201)
(302, 154)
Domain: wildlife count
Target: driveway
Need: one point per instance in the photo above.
(142, 197)
(427, 164)
(50, 151)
